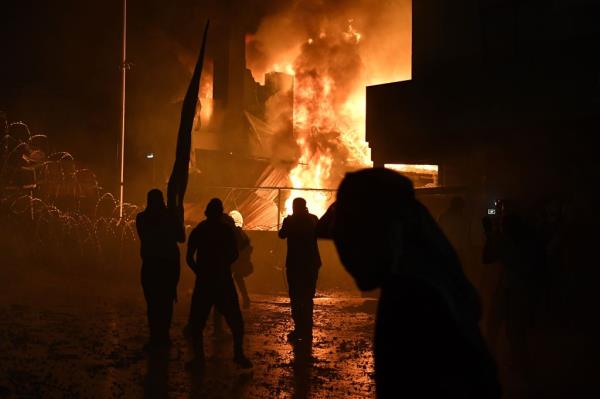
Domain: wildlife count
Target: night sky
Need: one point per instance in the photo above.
(60, 74)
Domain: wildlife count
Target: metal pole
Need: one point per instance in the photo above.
(123, 76)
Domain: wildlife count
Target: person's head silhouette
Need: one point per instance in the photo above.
(299, 206)
(368, 243)
(155, 200)
(214, 209)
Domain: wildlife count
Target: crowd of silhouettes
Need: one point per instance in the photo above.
(427, 337)
(415, 262)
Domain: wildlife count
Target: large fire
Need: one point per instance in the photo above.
(333, 53)
(329, 115)
(205, 94)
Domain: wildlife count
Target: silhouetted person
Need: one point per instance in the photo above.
(427, 339)
(212, 248)
(510, 242)
(242, 267)
(302, 267)
(159, 231)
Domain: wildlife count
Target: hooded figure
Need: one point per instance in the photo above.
(159, 231)
(212, 248)
(427, 339)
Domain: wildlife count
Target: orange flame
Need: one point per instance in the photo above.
(206, 97)
(317, 113)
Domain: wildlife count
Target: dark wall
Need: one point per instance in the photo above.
(521, 121)
(446, 36)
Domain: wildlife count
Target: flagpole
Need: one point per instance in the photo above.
(123, 77)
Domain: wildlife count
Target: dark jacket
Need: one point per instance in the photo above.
(300, 231)
(159, 232)
(212, 248)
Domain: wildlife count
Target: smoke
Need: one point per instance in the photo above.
(334, 69)
(328, 71)
(385, 28)
(278, 108)
(334, 49)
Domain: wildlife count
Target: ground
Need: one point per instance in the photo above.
(78, 345)
(85, 338)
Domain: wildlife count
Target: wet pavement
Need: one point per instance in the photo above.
(85, 339)
(93, 347)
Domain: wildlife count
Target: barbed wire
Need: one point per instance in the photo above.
(53, 212)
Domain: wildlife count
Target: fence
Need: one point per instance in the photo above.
(263, 208)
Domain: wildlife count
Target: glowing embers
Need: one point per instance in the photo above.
(328, 115)
(422, 176)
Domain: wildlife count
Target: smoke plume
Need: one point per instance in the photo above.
(334, 49)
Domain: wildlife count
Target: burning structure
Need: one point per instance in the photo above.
(285, 106)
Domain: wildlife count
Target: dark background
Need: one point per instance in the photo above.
(60, 74)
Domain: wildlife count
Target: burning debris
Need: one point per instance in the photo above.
(330, 137)
(304, 96)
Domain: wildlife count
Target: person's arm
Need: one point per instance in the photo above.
(245, 240)
(179, 231)
(325, 224)
(191, 252)
(283, 232)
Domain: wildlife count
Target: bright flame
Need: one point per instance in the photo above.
(333, 59)
(351, 33)
(323, 122)
(410, 170)
(206, 98)
(329, 108)
(313, 176)
(237, 217)
(285, 68)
